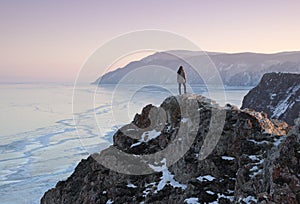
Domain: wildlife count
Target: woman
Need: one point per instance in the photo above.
(181, 79)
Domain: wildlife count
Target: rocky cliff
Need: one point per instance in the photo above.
(226, 155)
(278, 95)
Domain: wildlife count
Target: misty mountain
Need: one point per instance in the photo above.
(239, 69)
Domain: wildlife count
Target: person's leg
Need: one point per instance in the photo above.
(184, 85)
(179, 88)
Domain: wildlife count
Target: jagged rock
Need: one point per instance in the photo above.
(274, 175)
(252, 160)
(278, 95)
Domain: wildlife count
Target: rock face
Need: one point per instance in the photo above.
(278, 95)
(254, 159)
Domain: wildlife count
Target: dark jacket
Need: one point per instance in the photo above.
(181, 76)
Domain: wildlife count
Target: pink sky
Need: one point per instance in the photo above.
(48, 41)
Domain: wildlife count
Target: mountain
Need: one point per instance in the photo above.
(278, 95)
(190, 150)
(240, 69)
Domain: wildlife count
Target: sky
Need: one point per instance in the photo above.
(49, 41)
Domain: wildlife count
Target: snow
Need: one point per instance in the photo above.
(249, 198)
(259, 143)
(146, 192)
(146, 137)
(278, 141)
(148, 188)
(231, 198)
(150, 184)
(228, 158)
(261, 161)
(210, 192)
(135, 144)
(254, 174)
(253, 157)
(283, 105)
(272, 96)
(130, 185)
(159, 168)
(109, 201)
(192, 201)
(149, 135)
(206, 178)
(281, 108)
(254, 168)
(167, 176)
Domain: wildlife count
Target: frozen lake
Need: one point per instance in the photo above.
(40, 144)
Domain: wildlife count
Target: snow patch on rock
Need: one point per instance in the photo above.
(167, 176)
(206, 178)
(191, 200)
(146, 137)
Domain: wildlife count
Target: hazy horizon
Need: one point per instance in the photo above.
(49, 41)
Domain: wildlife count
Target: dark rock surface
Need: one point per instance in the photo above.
(255, 160)
(278, 95)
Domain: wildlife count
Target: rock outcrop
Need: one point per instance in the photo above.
(278, 95)
(253, 160)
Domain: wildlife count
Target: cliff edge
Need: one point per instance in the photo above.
(278, 95)
(253, 160)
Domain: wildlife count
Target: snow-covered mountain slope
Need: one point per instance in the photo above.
(278, 95)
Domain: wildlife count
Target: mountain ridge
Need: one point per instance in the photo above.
(235, 69)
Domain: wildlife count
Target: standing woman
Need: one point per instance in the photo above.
(181, 79)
